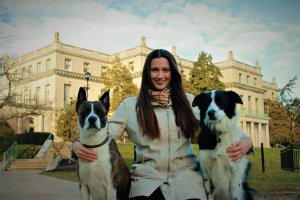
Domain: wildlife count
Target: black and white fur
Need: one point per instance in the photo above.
(108, 177)
(223, 178)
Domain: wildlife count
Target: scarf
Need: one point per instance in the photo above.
(161, 97)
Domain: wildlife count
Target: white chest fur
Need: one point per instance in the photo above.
(96, 177)
(226, 175)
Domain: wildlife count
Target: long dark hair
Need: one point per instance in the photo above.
(184, 115)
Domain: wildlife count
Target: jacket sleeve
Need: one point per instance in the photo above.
(117, 124)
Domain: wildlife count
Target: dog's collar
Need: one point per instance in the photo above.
(96, 145)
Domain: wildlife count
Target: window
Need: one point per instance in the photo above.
(256, 105)
(37, 95)
(86, 66)
(249, 103)
(67, 88)
(241, 105)
(21, 98)
(255, 82)
(131, 66)
(26, 97)
(47, 64)
(30, 69)
(67, 64)
(23, 72)
(103, 70)
(38, 67)
(47, 94)
(240, 78)
(248, 79)
(29, 96)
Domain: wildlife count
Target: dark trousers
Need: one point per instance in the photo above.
(156, 195)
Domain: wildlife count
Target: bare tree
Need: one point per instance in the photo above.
(11, 103)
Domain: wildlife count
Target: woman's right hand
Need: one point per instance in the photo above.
(84, 153)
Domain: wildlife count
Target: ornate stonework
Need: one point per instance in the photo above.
(57, 70)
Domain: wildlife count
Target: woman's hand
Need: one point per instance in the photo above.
(239, 149)
(83, 153)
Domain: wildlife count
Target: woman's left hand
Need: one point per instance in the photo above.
(239, 149)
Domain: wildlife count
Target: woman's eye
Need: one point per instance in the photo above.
(154, 69)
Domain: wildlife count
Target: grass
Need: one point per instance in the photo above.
(273, 179)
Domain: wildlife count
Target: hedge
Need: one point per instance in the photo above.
(37, 138)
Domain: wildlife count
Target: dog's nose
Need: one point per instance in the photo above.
(211, 114)
(92, 120)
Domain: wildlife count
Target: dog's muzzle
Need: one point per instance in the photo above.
(211, 114)
(92, 120)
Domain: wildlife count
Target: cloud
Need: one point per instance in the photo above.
(112, 26)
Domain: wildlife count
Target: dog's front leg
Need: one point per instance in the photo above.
(239, 167)
(237, 188)
(85, 192)
(207, 183)
(236, 185)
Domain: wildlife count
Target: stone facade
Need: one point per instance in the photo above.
(55, 72)
(247, 81)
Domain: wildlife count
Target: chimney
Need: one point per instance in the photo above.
(230, 55)
(143, 41)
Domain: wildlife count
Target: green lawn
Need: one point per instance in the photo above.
(272, 179)
(20, 148)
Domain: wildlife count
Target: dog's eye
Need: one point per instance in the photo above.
(219, 100)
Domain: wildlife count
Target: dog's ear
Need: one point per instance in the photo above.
(80, 98)
(198, 99)
(235, 97)
(105, 100)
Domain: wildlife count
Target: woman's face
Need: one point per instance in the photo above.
(160, 73)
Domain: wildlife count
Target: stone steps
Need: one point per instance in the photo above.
(64, 148)
(28, 164)
(40, 163)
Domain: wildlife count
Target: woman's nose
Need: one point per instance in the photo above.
(160, 74)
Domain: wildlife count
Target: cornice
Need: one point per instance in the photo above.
(58, 72)
(246, 87)
(241, 69)
(77, 76)
(82, 56)
(32, 58)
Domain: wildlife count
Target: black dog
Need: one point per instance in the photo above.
(108, 177)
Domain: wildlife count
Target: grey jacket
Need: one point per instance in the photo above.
(168, 162)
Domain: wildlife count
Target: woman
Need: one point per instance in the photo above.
(161, 123)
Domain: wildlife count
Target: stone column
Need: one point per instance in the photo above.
(267, 136)
(254, 139)
(260, 138)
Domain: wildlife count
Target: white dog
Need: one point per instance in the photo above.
(224, 179)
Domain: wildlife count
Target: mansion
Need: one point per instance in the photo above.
(53, 74)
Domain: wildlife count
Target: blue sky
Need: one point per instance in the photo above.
(264, 30)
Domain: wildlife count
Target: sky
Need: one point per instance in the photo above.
(263, 30)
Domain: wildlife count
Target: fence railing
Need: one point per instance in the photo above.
(250, 113)
(9, 155)
(290, 158)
